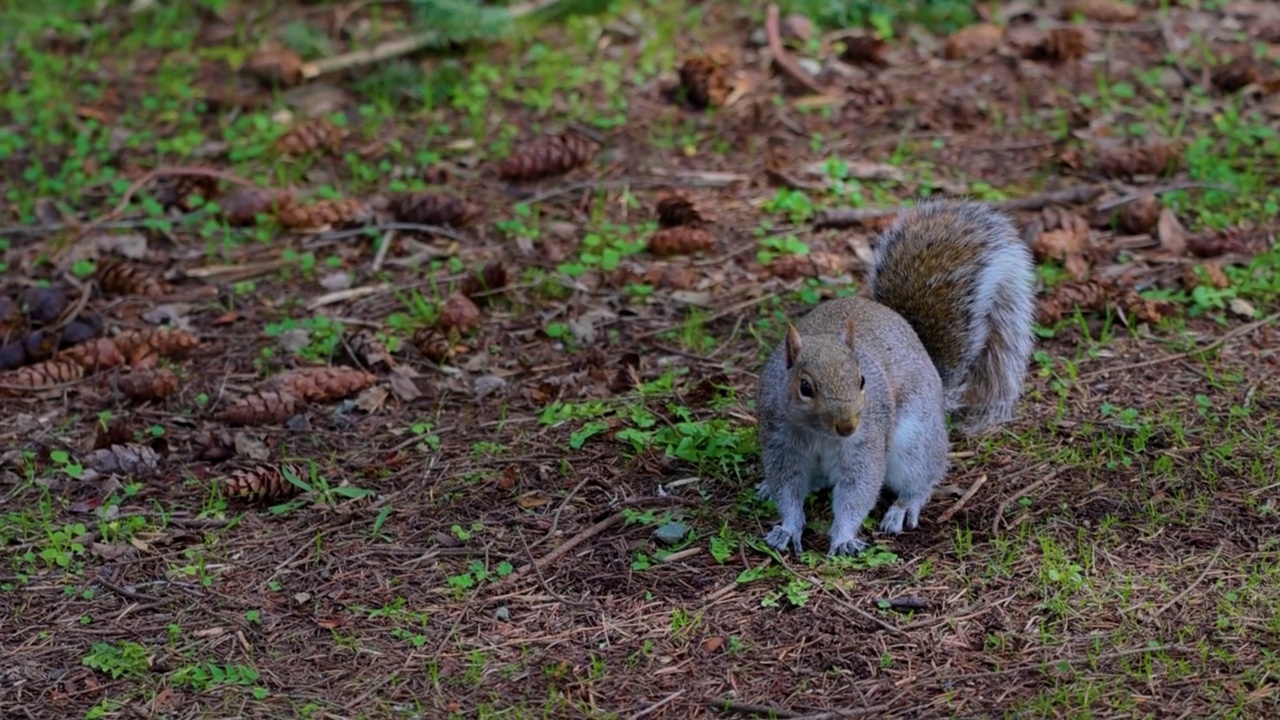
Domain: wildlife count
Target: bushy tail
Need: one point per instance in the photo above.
(959, 273)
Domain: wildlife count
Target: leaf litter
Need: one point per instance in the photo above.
(551, 386)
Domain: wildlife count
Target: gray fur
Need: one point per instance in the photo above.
(901, 440)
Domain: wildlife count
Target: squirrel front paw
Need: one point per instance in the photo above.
(762, 491)
(847, 547)
(779, 538)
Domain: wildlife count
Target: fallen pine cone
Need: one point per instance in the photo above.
(261, 408)
(1213, 276)
(143, 348)
(183, 189)
(1141, 215)
(260, 483)
(704, 82)
(1154, 158)
(433, 344)
(1059, 45)
(369, 350)
(865, 49)
(675, 210)
(492, 278)
(41, 376)
(245, 205)
(129, 459)
(325, 214)
(681, 240)
(433, 209)
(458, 313)
(815, 264)
(309, 136)
(545, 156)
(121, 277)
(321, 384)
(149, 384)
(95, 354)
(274, 66)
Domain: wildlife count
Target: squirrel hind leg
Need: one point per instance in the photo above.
(915, 464)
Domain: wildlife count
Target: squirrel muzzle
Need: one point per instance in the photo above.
(845, 425)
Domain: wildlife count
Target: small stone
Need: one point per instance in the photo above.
(670, 533)
(502, 613)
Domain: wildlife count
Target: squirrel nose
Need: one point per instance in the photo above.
(846, 426)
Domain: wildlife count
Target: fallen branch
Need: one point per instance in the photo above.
(1026, 490)
(566, 548)
(780, 55)
(401, 46)
(658, 705)
(951, 512)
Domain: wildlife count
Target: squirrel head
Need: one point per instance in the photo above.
(825, 386)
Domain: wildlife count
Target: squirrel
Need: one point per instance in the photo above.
(855, 397)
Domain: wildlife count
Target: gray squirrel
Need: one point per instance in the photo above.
(855, 397)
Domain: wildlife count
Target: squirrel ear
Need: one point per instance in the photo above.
(793, 345)
(847, 336)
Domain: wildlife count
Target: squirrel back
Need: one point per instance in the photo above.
(961, 276)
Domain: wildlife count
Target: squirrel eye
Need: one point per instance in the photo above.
(806, 390)
(862, 381)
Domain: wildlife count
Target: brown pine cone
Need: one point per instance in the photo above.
(261, 483)
(144, 347)
(186, 187)
(547, 156)
(681, 240)
(815, 264)
(433, 209)
(493, 277)
(95, 354)
(674, 210)
(309, 136)
(321, 384)
(704, 82)
(1154, 158)
(261, 408)
(152, 384)
(122, 277)
(244, 205)
(865, 49)
(41, 376)
(1087, 295)
(433, 344)
(458, 313)
(325, 214)
(1059, 45)
(368, 349)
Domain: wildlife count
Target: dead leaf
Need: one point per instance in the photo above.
(528, 502)
(250, 447)
(372, 398)
(973, 41)
(1172, 236)
(109, 551)
(402, 385)
(712, 644)
(1242, 307)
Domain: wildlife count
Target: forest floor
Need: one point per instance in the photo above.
(526, 487)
